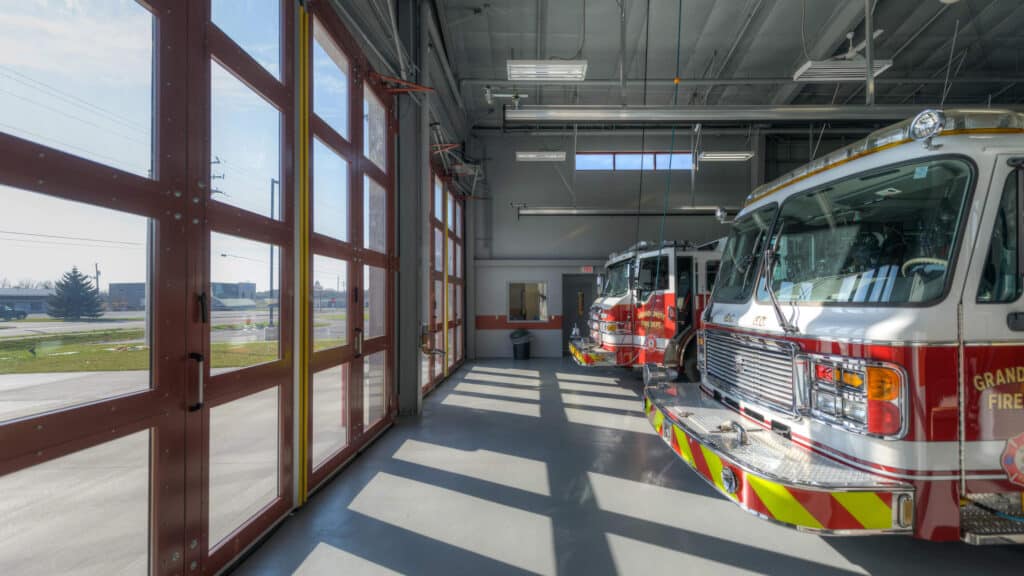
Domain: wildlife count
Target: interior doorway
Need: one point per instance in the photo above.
(578, 293)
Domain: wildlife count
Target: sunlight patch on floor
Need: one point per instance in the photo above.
(708, 515)
(503, 533)
(597, 389)
(623, 404)
(623, 422)
(643, 559)
(507, 371)
(504, 469)
(587, 378)
(327, 559)
(518, 408)
(495, 390)
(500, 378)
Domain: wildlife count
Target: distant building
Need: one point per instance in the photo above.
(31, 300)
(127, 296)
(233, 295)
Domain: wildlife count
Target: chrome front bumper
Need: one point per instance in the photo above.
(772, 476)
(586, 352)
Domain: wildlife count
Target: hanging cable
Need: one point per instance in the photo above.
(671, 146)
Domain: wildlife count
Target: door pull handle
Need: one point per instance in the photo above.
(202, 373)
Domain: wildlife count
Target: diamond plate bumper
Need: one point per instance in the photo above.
(983, 527)
(771, 476)
(588, 353)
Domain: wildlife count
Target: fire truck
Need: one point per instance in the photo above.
(649, 308)
(862, 356)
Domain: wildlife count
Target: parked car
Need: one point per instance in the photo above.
(9, 313)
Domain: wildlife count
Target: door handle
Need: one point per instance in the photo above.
(359, 342)
(202, 373)
(1015, 321)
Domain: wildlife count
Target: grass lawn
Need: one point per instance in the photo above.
(325, 343)
(237, 354)
(110, 350)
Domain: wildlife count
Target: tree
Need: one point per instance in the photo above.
(75, 298)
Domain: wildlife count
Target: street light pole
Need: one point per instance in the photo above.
(270, 293)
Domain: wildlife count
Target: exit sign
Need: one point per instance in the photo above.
(588, 269)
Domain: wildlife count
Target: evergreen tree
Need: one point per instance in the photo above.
(75, 298)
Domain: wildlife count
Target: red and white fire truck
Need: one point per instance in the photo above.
(862, 358)
(650, 308)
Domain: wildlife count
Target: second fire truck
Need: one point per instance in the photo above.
(649, 308)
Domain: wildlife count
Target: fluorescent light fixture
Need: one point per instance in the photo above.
(541, 70)
(541, 156)
(838, 70)
(736, 156)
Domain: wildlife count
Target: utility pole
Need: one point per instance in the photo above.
(97, 265)
(270, 294)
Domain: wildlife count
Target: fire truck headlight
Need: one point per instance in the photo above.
(862, 396)
(927, 124)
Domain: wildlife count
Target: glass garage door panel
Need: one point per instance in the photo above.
(63, 340)
(375, 218)
(330, 302)
(375, 301)
(96, 103)
(255, 26)
(86, 513)
(375, 143)
(330, 412)
(244, 316)
(330, 80)
(374, 399)
(330, 192)
(243, 461)
(245, 146)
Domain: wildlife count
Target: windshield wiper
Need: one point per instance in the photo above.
(770, 258)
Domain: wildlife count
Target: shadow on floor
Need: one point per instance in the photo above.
(543, 467)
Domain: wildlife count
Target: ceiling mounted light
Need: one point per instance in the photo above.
(546, 70)
(541, 156)
(736, 156)
(838, 70)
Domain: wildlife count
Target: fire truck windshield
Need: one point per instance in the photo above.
(741, 259)
(617, 284)
(886, 237)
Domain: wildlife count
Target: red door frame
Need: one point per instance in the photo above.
(34, 167)
(177, 200)
(438, 322)
(206, 43)
(353, 252)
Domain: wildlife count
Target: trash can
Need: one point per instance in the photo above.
(520, 344)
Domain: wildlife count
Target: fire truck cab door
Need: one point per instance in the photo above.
(655, 279)
(993, 353)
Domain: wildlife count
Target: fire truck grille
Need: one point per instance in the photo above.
(756, 368)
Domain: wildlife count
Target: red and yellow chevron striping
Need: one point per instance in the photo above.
(815, 510)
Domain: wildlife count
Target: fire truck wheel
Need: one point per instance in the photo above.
(689, 371)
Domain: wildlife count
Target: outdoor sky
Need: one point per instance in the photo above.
(76, 75)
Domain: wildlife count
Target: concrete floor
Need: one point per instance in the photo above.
(541, 467)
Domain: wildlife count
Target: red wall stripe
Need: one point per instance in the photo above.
(500, 322)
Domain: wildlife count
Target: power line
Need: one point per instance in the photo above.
(70, 237)
(74, 117)
(70, 98)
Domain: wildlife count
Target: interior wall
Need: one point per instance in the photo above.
(492, 285)
(527, 249)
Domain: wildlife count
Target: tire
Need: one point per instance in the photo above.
(22, 316)
(688, 371)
